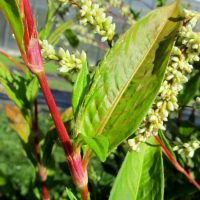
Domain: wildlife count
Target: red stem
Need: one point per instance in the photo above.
(45, 192)
(78, 173)
(62, 133)
(176, 164)
(84, 193)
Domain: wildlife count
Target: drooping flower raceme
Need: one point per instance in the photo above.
(187, 149)
(180, 65)
(92, 14)
(68, 62)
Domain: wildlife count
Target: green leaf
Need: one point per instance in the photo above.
(128, 79)
(190, 90)
(160, 3)
(70, 194)
(54, 37)
(141, 176)
(72, 38)
(15, 87)
(99, 144)
(45, 31)
(32, 90)
(2, 181)
(166, 142)
(10, 9)
(80, 87)
(9, 85)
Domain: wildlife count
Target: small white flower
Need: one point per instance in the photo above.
(68, 62)
(94, 15)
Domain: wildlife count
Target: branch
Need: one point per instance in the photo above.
(15, 62)
(176, 164)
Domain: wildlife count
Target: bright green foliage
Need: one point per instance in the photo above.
(128, 79)
(141, 176)
(10, 9)
(99, 144)
(54, 37)
(22, 90)
(44, 33)
(70, 195)
(32, 90)
(14, 86)
(72, 38)
(80, 87)
(166, 143)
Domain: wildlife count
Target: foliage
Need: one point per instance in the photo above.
(121, 98)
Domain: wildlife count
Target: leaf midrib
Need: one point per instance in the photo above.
(104, 122)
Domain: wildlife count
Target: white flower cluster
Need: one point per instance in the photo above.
(71, 62)
(187, 149)
(175, 76)
(47, 50)
(191, 39)
(92, 14)
(68, 62)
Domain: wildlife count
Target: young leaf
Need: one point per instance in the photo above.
(32, 90)
(72, 38)
(10, 9)
(128, 79)
(141, 176)
(166, 143)
(80, 87)
(70, 194)
(54, 37)
(45, 31)
(99, 144)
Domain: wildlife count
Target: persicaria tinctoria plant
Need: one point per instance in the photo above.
(133, 113)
